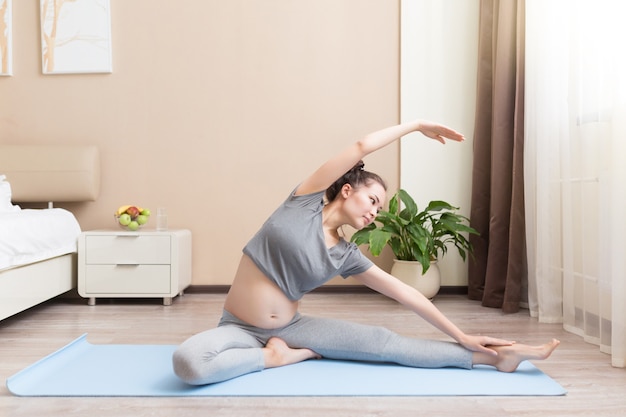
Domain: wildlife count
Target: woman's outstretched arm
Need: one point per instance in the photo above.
(342, 162)
(382, 282)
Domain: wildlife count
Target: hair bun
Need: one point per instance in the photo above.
(356, 177)
(360, 166)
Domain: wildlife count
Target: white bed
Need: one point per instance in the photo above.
(38, 246)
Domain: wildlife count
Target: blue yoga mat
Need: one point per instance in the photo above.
(81, 369)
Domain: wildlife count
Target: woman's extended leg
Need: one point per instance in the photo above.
(337, 339)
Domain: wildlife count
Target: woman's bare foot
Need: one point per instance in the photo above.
(277, 353)
(509, 357)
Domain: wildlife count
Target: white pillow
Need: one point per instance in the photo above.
(5, 196)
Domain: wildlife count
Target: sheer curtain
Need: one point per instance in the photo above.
(575, 168)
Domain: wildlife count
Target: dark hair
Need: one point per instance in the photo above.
(356, 177)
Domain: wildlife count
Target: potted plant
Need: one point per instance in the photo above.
(417, 238)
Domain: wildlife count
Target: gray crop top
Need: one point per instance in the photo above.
(290, 248)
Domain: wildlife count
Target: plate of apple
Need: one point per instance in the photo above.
(130, 217)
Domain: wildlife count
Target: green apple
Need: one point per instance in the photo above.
(124, 219)
(133, 225)
(146, 212)
(142, 219)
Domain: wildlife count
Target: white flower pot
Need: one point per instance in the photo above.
(410, 272)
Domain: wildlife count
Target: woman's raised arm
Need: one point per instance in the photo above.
(335, 167)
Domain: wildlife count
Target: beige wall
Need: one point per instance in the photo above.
(214, 109)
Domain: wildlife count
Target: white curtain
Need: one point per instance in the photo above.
(575, 168)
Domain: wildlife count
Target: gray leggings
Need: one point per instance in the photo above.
(234, 347)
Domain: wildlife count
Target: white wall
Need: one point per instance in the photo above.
(439, 44)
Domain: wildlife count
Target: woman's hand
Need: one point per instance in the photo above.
(439, 132)
(481, 343)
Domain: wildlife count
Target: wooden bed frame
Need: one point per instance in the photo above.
(45, 174)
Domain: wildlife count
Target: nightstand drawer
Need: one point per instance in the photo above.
(128, 249)
(128, 279)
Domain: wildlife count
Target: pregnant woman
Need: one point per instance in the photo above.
(298, 249)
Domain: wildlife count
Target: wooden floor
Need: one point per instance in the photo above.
(595, 388)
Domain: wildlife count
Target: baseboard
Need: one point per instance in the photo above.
(453, 290)
(223, 289)
(328, 289)
(207, 289)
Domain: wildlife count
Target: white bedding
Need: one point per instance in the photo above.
(32, 235)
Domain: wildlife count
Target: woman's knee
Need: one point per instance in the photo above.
(202, 358)
(191, 359)
(187, 366)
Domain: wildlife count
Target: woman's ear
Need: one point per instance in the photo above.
(346, 189)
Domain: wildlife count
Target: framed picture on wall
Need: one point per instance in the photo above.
(6, 64)
(75, 36)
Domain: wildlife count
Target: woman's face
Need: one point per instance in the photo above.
(363, 203)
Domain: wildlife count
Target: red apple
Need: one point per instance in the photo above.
(133, 212)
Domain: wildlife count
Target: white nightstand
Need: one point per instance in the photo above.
(142, 264)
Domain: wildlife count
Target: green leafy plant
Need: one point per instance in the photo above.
(413, 235)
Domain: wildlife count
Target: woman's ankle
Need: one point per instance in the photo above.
(509, 357)
(277, 353)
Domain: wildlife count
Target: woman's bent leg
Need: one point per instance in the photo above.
(217, 355)
(336, 339)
